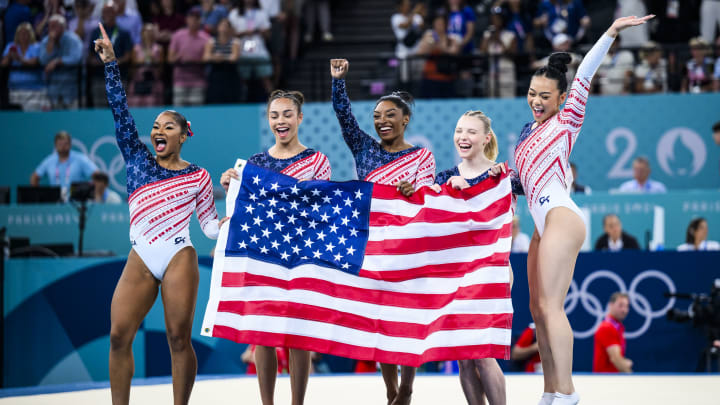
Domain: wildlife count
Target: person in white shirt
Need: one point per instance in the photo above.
(641, 183)
(520, 241)
(616, 71)
(696, 237)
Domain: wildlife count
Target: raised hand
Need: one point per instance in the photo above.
(104, 47)
(625, 22)
(339, 68)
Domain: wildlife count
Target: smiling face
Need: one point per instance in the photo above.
(284, 120)
(470, 137)
(167, 135)
(390, 121)
(544, 98)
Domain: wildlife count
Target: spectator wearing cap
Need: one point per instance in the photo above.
(186, 51)
(615, 239)
(61, 53)
(641, 182)
(101, 193)
(651, 73)
(698, 68)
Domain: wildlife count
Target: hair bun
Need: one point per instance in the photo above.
(404, 96)
(298, 95)
(559, 61)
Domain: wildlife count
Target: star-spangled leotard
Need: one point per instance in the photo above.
(415, 165)
(161, 200)
(306, 165)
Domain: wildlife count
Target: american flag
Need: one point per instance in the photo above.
(355, 269)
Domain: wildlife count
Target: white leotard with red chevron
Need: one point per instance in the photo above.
(417, 168)
(313, 167)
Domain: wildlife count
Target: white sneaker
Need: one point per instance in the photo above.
(547, 398)
(564, 399)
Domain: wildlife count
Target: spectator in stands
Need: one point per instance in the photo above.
(651, 73)
(211, 15)
(83, 23)
(676, 19)
(16, 13)
(641, 182)
(101, 193)
(639, 36)
(408, 26)
(500, 45)
(562, 17)
(699, 68)
(252, 25)
(615, 73)
(696, 237)
(42, 18)
(60, 53)
(64, 166)
(146, 87)
(519, 21)
(562, 43)
(123, 45)
(576, 187)
(461, 24)
(609, 351)
(131, 6)
(186, 50)
(317, 10)
(526, 351)
(128, 19)
(26, 87)
(709, 20)
(222, 54)
(277, 42)
(615, 239)
(520, 240)
(439, 71)
(168, 20)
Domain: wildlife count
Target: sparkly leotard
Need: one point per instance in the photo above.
(306, 165)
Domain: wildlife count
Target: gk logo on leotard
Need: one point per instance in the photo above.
(544, 199)
(179, 240)
(639, 304)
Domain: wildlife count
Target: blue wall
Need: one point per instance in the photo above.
(57, 316)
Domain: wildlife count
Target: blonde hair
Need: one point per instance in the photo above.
(491, 148)
(29, 28)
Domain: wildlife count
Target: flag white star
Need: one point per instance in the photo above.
(304, 258)
(256, 179)
(245, 227)
(293, 205)
(329, 247)
(282, 209)
(350, 250)
(274, 186)
(284, 256)
(305, 198)
(324, 217)
(345, 266)
(315, 192)
(299, 231)
(242, 245)
(253, 197)
(341, 240)
(303, 213)
(249, 209)
(336, 209)
(279, 226)
(308, 242)
(312, 224)
(315, 207)
(294, 189)
(283, 195)
(355, 213)
(321, 235)
(271, 214)
(295, 249)
(327, 199)
(338, 257)
(254, 239)
(287, 238)
(291, 219)
(348, 202)
(333, 228)
(272, 202)
(316, 254)
(345, 220)
(274, 244)
(338, 192)
(257, 221)
(353, 232)
(263, 192)
(263, 250)
(358, 194)
(266, 233)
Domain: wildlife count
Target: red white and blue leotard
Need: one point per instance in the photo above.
(415, 165)
(161, 200)
(542, 153)
(306, 165)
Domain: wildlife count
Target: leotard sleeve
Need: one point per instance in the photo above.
(426, 170)
(322, 168)
(355, 138)
(574, 111)
(125, 130)
(205, 207)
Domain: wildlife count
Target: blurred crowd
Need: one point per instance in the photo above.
(182, 52)
(451, 48)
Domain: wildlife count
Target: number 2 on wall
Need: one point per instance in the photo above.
(621, 169)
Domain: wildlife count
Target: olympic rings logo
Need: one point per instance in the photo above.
(638, 302)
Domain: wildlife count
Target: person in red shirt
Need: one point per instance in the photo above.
(609, 355)
(526, 350)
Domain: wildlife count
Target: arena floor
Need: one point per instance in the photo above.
(356, 390)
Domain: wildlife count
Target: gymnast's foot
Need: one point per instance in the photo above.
(403, 396)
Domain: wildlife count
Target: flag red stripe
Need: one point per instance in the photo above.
(440, 216)
(437, 270)
(386, 192)
(435, 243)
(361, 352)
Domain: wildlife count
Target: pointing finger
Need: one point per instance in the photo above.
(104, 34)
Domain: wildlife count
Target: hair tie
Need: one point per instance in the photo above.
(190, 132)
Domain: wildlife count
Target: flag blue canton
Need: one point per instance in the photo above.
(282, 221)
